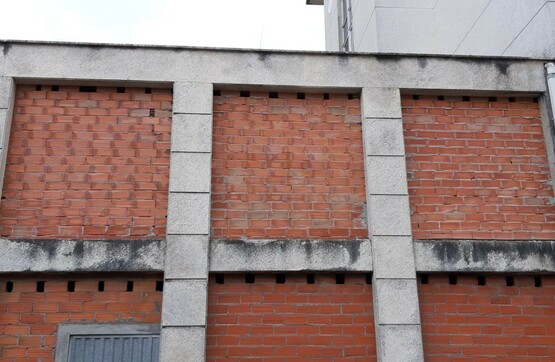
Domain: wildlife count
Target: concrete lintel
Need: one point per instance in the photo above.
(393, 257)
(493, 256)
(191, 133)
(184, 303)
(290, 255)
(186, 256)
(270, 68)
(190, 172)
(184, 344)
(381, 103)
(192, 98)
(81, 256)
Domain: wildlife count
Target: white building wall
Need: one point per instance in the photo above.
(470, 27)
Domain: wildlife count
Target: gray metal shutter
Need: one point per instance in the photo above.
(114, 348)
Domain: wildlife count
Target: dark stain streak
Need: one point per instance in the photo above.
(6, 48)
(422, 62)
(263, 56)
(502, 66)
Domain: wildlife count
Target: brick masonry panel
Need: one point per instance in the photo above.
(287, 167)
(87, 164)
(477, 168)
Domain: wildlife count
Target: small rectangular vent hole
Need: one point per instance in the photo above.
(71, 286)
(159, 285)
(120, 89)
(216, 92)
(249, 278)
(310, 278)
(273, 95)
(9, 287)
(452, 279)
(537, 281)
(300, 96)
(481, 280)
(510, 281)
(220, 279)
(280, 278)
(148, 90)
(339, 278)
(101, 286)
(55, 88)
(424, 279)
(40, 286)
(244, 93)
(87, 89)
(129, 286)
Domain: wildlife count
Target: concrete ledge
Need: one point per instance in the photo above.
(485, 256)
(81, 255)
(290, 255)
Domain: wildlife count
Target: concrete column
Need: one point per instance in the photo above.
(396, 307)
(188, 228)
(7, 97)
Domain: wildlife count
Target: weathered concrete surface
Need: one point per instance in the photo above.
(81, 255)
(112, 63)
(484, 256)
(290, 255)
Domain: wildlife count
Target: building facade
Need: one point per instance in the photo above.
(478, 27)
(197, 204)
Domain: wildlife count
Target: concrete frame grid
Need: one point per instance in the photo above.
(390, 254)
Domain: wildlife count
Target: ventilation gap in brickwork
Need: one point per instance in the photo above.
(300, 96)
(492, 99)
(101, 286)
(535, 100)
(466, 99)
(40, 286)
(424, 279)
(148, 90)
(368, 278)
(120, 89)
(339, 278)
(9, 287)
(129, 286)
(220, 279)
(151, 112)
(87, 89)
(273, 95)
(55, 88)
(249, 278)
(415, 98)
(537, 281)
(350, 96)
(38, 87)
(280, 278)
(481, 280)
(159, 285)
(440, 98)
(71, 286)
(452, 279)
(244, 94)
(326, 96)
(310, 278)
(510, 281)
(216, 92)
(512, 99)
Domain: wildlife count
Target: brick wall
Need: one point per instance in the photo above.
(287, 167)
(293, 321)
(85, 164)
(477, 169)
(29, 319)
(492, 322)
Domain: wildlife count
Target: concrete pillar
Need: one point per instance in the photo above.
(7, 98)
(188, 228)
(396, 307)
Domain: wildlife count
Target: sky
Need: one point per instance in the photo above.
(259, 24)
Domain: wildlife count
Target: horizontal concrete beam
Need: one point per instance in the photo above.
(498, 256)
(81, 255)
(290, 255)
(117, 63)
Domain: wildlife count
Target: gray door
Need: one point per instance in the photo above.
(114, 348)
